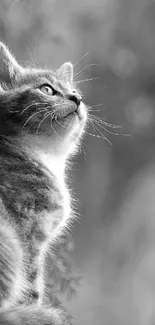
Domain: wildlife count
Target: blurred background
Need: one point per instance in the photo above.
(114, 183)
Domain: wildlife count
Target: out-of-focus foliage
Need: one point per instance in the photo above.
(114, 240)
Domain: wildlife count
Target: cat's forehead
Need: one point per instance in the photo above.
(13, 74)
(61, 78)
(36, 76)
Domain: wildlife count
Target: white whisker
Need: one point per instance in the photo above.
(82, 146)
(92, 108)
(45, 116)
(74, 65)
(102, 121)
(55, 130)
(90, 79)
(101, 134)
(87, 66)
(31, 57)
(31, 105)
(56, 120)
(108, 131)
(32, 117)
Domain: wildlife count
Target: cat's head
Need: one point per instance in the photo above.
(41, 108)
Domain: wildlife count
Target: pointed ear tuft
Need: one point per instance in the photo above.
(9, 68)
(65, 72)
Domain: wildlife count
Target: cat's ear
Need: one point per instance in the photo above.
(65, 72)
(9, 67)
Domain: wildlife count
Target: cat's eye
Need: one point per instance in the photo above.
(48, 90)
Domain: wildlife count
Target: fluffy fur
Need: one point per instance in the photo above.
(42, 118)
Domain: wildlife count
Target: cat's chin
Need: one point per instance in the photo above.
(69, 123)
(70, 116)
(68, 130)
(58, 142)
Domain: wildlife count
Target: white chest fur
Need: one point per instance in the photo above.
(57, 167)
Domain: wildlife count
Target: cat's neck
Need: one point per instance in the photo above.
(51, 161)
(55, 164)
(48, 153)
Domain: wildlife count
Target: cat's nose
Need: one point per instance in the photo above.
(76, 98)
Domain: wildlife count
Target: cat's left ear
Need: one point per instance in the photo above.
(9, 67)
(65, 72)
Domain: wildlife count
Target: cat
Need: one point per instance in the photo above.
(42, 119)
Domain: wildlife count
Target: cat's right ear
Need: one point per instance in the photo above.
(9, 67)
(65, 72)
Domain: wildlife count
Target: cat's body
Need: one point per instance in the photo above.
(41, 121)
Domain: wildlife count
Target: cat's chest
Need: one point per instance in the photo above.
(48, 223)
(42, 221)
(40, 206)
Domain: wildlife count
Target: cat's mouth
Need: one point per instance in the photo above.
(69, 111)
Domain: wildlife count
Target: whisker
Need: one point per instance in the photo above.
(31, 105)
(108, 131)
(115, 133)
(91, 123)
(34, 52)
(54, 109)
(46, 108)
(94, 135)
(31, 57)
(26, 108)
(46, 64)
(54, 129)
(87, 66)
(102, 135)
(45, 116)
(90, 79)
(96, 105)
(74, 65)
(28, 62)
(82, 146)
(94, 110)
(31, 117)
(102, 121)
(56, 120)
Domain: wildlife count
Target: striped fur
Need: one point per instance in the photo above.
(38, 133)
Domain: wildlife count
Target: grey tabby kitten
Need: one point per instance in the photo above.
(42, 119)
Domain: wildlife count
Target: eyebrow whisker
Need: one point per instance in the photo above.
(74, 65)
(87, 66)
(90, 79)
